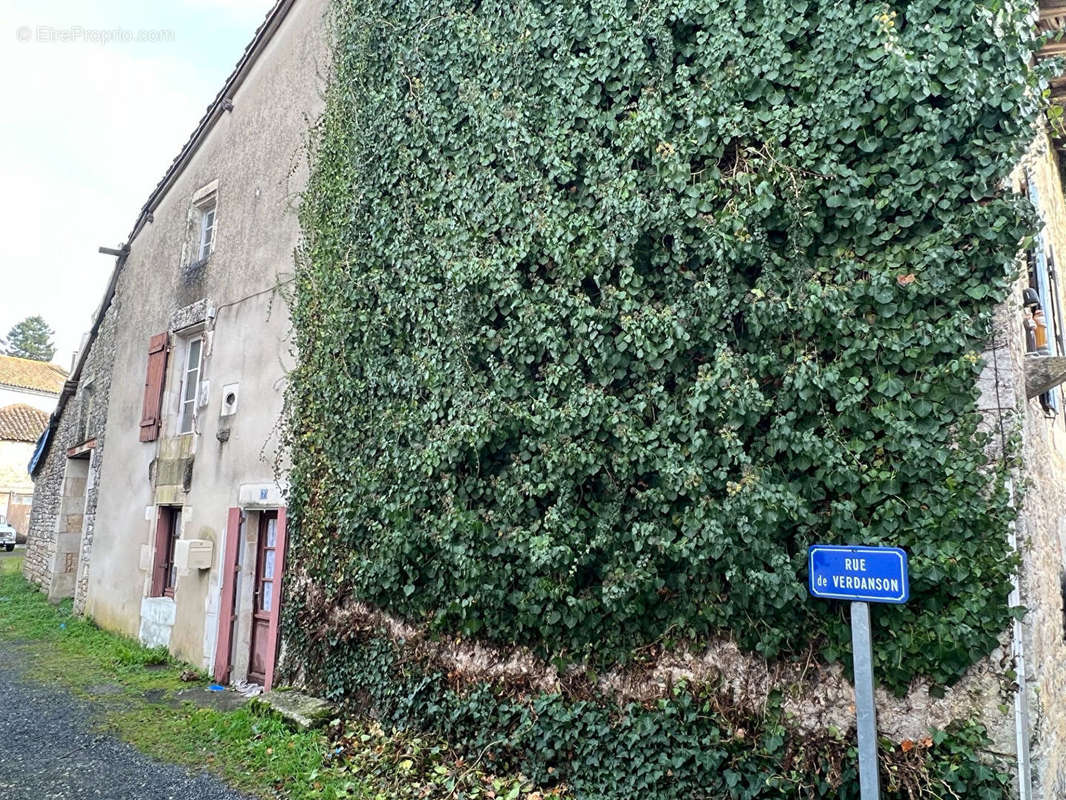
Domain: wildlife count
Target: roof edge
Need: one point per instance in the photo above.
(27, 389)
(222, 102)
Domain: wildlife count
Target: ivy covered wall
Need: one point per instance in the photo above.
(608, 310)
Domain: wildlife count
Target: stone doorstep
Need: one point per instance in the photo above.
(300, 710)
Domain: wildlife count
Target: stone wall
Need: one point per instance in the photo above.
(57, 555)
(1040, 470)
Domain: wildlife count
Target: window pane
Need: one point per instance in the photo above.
(193, 362)
(268, 565)
(186, 417)
(207, 232)
(266, 599)
(190, 388)
(272, 532)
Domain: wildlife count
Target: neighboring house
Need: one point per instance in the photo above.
(35, 383)
(176, 534)
(20, 427)
(29, 391)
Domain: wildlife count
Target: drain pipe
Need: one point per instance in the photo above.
(1021, 695)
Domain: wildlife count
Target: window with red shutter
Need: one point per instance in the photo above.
(153, 387)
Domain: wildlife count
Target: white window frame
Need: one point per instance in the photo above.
(187, 405)
(206, 241)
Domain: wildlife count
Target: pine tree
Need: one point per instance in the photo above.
(31, 338)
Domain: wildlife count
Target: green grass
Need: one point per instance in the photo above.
(71, 650)
(253, 752)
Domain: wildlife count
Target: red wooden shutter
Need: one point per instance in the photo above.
(227, 605)
(153, 387)
(274, 630)
(162, 544)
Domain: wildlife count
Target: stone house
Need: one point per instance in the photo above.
(177, 536)
(66, 465)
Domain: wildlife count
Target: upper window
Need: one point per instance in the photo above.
(1042, 314)
(190, 385)
(207, 231)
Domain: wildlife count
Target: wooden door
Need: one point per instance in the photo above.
(227, 612)
(264, 613)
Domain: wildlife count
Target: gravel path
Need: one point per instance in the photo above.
(49, 751)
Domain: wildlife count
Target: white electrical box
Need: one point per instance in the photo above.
(192, 554)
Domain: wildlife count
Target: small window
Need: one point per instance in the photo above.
(87, 408)
(190, 386)
(166, 574)
(207, 231)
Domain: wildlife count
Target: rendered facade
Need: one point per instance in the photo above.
(176, 534)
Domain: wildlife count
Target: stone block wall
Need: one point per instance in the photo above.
(60, 536)
(1034, 447)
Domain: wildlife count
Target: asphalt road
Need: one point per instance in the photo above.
(18, 552)
(49, 751)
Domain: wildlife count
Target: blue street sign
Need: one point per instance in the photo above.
(859, 574)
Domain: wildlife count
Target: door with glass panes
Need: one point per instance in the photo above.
(266, 573)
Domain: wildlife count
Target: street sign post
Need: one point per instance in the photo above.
(862, 575)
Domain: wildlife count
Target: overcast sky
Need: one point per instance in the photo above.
(89, 128)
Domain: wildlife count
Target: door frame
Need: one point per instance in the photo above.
(228, 611)
(227, 607)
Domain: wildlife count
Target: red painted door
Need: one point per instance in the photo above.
(265, 612)
(227, 612)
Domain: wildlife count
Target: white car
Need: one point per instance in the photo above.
(7, 535)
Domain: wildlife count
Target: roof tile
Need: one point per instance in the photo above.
(21, 423)
(25, 373)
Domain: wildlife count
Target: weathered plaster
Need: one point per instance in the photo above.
(157, 621)
(254, 160)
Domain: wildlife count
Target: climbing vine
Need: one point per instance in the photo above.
(694, 743)
(606, 311)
